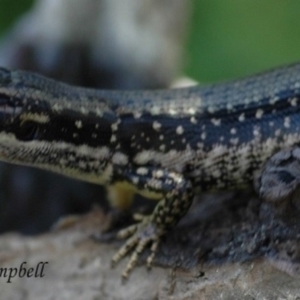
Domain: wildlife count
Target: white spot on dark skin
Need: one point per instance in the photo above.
(120, 159)
(179, 130)
(99, 112)
(229, 106)
(287, 122)
(203, 135)
(135, 180)
(114, 126)
(256, 98)
(113, 138)
(274, 100)
(211, 109)
(256, 132)
(277, 132)
(216, 122)
(137, 114)
(193, 120)
(83, 110)
(233, 130)
(246, 101)
(234, 141)
(155, 110)
(172, 111)
(142, 171)
(259, 113)
(78, 124)
(158, 174)
(191, 111)
(156, 125)
(242, 117)
(162, 147)
(57, 107)
(294, 101)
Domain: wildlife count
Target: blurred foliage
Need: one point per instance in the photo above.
(234, 38)
(11, 10)
(228, 38)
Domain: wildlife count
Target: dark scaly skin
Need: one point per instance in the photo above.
(164, 145)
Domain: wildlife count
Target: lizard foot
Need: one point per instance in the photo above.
(139, 236)
(280, 176)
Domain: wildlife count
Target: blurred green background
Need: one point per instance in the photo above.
(228, 38)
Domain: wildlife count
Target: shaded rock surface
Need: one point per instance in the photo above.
(220, 250)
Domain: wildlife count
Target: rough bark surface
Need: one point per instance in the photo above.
(212, 254)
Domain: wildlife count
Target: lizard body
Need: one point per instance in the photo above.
(166, 145)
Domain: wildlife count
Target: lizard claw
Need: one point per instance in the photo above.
(139, 237)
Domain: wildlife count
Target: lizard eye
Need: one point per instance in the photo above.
(28, 131)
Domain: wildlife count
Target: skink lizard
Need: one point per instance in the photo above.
(165, 145)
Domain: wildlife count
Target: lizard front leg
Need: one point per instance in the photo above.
(280, 176)
(175, 194)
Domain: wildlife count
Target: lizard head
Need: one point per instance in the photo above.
(22, 113)
(46, 124)
(21, 121)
